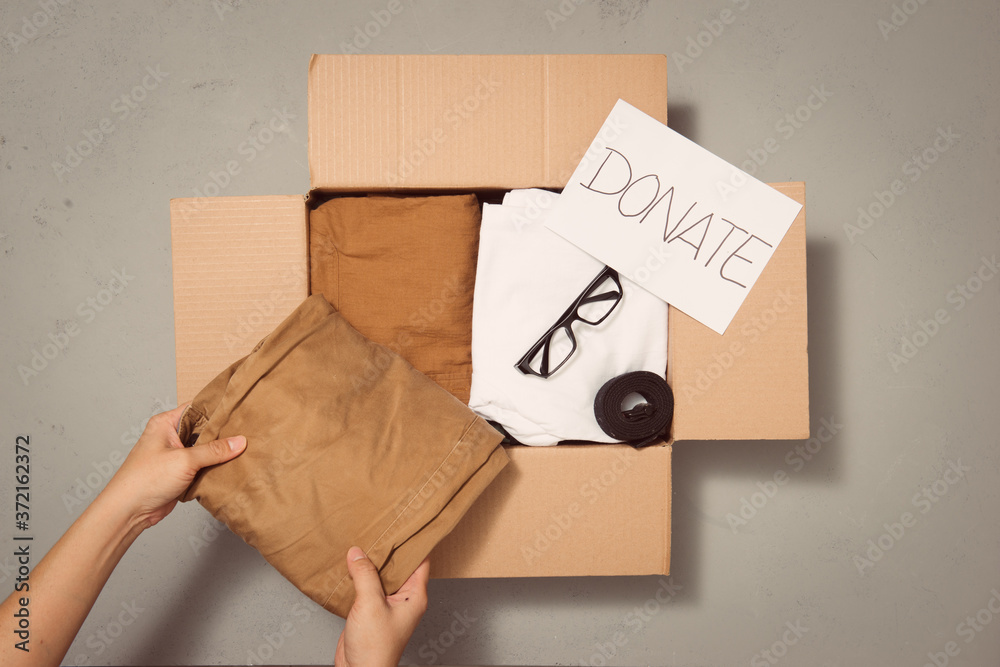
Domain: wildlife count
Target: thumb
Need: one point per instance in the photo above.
(365, 575)
(217, 451)
(417, 582)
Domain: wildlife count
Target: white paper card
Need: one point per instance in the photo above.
(676, 219)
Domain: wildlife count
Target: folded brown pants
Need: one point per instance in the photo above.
(402, 271)
(347, 444)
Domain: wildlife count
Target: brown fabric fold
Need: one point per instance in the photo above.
(402, 271)
(347, 444)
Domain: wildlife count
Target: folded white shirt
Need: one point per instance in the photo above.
(527, 277)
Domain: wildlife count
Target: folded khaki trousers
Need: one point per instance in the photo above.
(347, 444)
(402, 271)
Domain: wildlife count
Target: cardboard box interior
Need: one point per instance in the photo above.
(487, 124)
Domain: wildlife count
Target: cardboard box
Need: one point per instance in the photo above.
(488, 124)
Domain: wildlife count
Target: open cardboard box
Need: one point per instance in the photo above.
(445, 124)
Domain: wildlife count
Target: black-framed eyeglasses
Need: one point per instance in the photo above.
(558, 344)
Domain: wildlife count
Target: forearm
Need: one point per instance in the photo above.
(65, 584)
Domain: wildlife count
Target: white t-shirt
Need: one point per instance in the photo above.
(527, 277)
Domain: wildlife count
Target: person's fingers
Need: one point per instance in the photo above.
(413, 593)
(174, 416)
(365, 575)
(164, 425)
(418, 580)
(340, 656)
(164, 421)
(175, 421)
(217, 451)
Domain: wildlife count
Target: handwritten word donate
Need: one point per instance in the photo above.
(652, 211)
(634, 201)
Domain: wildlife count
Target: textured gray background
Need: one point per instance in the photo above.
(202, 597)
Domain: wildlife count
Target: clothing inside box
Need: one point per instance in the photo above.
(463, 284)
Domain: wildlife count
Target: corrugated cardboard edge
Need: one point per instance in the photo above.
(752, 382)
(239, 268)
(488, 542)
(528, 524)
(466, 121)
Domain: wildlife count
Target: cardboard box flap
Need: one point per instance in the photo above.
(240, 267)
(381, 122)
(566, 511)
(753, 382)
(460, 123)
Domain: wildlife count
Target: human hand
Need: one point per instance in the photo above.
(379, 625)
(159, 468)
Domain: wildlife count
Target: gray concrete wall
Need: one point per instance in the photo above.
(821, 553)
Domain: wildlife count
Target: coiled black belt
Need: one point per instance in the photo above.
(641, 425)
